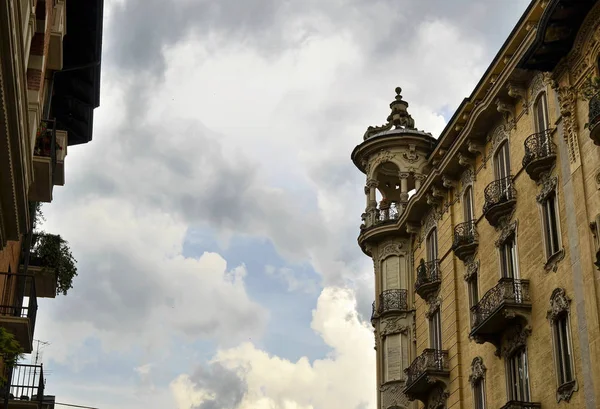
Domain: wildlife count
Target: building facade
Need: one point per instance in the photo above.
(485, 241)
(50, 52)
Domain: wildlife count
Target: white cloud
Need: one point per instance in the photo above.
(344, 379)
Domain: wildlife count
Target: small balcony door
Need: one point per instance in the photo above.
(432, 245)
(541, 113)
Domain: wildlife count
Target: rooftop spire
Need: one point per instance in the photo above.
(398, 118)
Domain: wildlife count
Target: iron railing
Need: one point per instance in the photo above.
(427, 273)
(433, 360)
(498, 192)
(515, 404)
(26, 383)
(594, 112)
(391, 300)
(538, 146)
(508, 290)
(465, 234)
(45, 142)
(13, 297)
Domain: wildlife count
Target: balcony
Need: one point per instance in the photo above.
(594, 119)
(45, 279)
(26, 387)
(496, 310)
(515, 404)
(62, 141)
(390, 301)
(58, 28)
(428, 278)
(425, 372)
(44, 163)
(466, 240)
(500, 199)
(540, 154)
(18, 307)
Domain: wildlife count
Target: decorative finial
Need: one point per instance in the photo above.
(398, 118)
(398, 91)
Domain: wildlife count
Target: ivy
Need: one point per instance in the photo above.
(53, 252)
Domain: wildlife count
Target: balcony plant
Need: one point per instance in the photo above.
(10, 351)
(51, 251)
(43, 141)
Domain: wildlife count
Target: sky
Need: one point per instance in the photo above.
(214, 215)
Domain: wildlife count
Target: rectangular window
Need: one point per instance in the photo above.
(508, 259)
(432, 249)
(435, 331)
(550, 224)
(541, 114)
(395, 357)
(517, 369)
(479, 394)
(468, 198)
(502, 161)
(564, 353)
(473, 290)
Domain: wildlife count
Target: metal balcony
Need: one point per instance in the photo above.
(594, 119)
(44, 162)
(500, 199)
(390, 301)
(25, 387)
(428, 278)
(494, 313)
(515, 404)
(540, 154)
(428, 369)
(466, 240)
(18, 307)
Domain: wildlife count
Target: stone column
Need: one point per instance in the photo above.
(403, 186)
(418, 180)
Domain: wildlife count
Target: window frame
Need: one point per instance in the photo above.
(468, 204)
(435, 329)
(504, 148)
(543, 98)
(514, 387)
(546, 225)
(515, 257)
(478, 389)
(431, 245)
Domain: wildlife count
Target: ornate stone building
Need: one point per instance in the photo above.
(485, 240)
(50, 53)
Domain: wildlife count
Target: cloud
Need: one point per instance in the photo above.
(343, 379)
(135, 288)
(293, 281)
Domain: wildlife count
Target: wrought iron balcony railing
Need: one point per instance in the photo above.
(507, 291)
(594, 118)
(499, 195)
(466, 239)
(515, 404)
(390, 214)
(26, 383)
(45, 142)
(428, 278)
(19, 300)
(540, 153)
(391, 300)
(431, 360)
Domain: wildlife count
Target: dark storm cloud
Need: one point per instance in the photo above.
(225, 385)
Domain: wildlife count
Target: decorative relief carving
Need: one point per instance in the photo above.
(467, 178)
(508, 111)
(372, 183)
(384, 156)
(472, 269)
(434, 304)
(567, 98)
(464, 160)
(394, 326)
(474, 148)
(519, 92)
(514, 339)
(392, 249)
(565, 391)
(548, 186)
(560, 304)
(478, 370)
(392, 396)
(507, 230)
(498, 135)
(411, 156)
(437, 398)
(430, 221)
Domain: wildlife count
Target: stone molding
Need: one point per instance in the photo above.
(478, 370)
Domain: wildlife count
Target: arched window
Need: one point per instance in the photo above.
(469, 212)
(502, 161)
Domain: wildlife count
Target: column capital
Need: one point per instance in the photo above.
(372, 183)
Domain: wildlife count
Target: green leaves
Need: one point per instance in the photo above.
(54, 253)
(11, 352)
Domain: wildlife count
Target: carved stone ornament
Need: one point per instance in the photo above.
(478, 370)
(437, 398)
(498, 135)
(392, 396)
(472, 268)
(429, 222)
(412, 228)
(394, 326)
(464, 160)
(507, 230)
(383, 156)
(411, 156)
(552, 262)
(508, 111)
(392, 249)
(474, 148)
(560, 304)
(376, 347)
(448, 183)
(567, 98)
(519, 92)
(515, 338)
(466, 179)
(537, 86)
(566, 390)
(372, 183)
(548, 186)
(434, 304)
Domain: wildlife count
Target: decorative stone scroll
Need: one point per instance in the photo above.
(384, 156)
(498, 135)
(394, 326)
(472, 269)
(411, 156)
(392, 249)
(514, 339)
(507, 230)
(567, 98)
(548, 184)
(438, 397)
(478, 370)
(434, 303)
